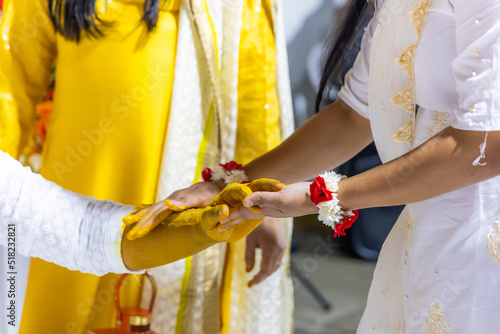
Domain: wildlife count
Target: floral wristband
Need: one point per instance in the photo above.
(324, 191)
(231, 172)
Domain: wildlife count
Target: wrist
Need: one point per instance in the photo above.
(309, 207)
(324, 191)
(342, 195)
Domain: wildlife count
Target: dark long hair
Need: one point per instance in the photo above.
(72, 18)
(342, 48)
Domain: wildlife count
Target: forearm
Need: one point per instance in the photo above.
(335, 134)
(41, 219)
(164, 245)
(441, 165)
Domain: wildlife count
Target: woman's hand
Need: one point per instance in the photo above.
(291, 201)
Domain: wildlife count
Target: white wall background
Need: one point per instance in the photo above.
(307, 25)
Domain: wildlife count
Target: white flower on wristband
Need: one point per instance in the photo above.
(232, 176)
(330, 212)
(231, 172)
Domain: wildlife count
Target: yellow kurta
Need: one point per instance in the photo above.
(108, 125)
(105, 136)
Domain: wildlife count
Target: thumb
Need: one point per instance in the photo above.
(216, 214)
(261, 199)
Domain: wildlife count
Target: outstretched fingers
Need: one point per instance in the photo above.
(150, 217)
(210, 216)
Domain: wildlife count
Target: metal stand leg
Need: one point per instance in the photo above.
(325, 304)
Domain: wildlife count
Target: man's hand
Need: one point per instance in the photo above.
(270, 238)
(147, 217)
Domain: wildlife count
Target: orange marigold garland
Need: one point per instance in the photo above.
(32, 154)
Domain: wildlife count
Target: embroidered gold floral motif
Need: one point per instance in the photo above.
(419, 14)
(493, 239)
(404, 100)
(436, 320)
(406, 61)
(409, 224)
(406, 133)
(438, 123)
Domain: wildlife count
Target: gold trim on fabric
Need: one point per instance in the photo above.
(189, 299)
(405, 133)
(436, 320)
(184, 296)
(406, 61)
(438, 123)
(409, 225)
(493, 239)
(202, 151)
(406, 99)
(212, 269)
(198, 13)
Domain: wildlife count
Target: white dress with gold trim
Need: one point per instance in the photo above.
(425, 65)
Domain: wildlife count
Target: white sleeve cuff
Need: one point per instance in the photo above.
(113, 242)
(99, 248)
(354, 103)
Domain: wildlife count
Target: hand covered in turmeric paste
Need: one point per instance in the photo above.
(147, 217)
(183, 233)
(230, 199)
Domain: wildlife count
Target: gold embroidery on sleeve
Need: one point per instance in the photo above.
(493, 239)
(439, 122)
(436, 320)
(409, 224)
(406, 99)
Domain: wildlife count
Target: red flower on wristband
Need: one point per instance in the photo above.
(206, 174)
(232, 165)
(346, 223)
(319, 192)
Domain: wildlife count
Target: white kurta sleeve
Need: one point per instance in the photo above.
(354, 92)
(43, 220)
(477, 66)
